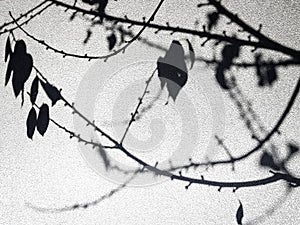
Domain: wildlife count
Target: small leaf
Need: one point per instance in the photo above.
(88, 36)
(240, 214)
(213, 18)
(220, 77)
(192, 53)
(104, 157)
(271, 75)
(267, 74)
(8, 50)
(229, 53)
(31, 123)
(34, 90)
(52, 92)
(268, 161)
(112, 40)
(43, 119)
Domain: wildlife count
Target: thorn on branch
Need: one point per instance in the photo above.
(217, 43)
(254, 49)
(202, 5)
(187, 186)
(174, 30)
(234, 189)
(241, 30)
(156, 32)
(229, 22)
(202, 45)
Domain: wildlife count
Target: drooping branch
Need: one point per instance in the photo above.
(275, 177)
(105, 57)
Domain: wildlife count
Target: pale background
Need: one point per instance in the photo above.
(51, 172)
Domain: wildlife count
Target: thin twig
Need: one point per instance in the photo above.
(86, 204)
(140, 102)
(246, 27)
(23, 15)
(85, 56)
(26, 21)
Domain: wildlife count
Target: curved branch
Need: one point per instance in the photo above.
(26, 21)
(260, 144)
(202, 34)
(275, 177)
(87, 204)
(105, 57)
(22, 15)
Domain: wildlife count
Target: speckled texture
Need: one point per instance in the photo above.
(51, 171)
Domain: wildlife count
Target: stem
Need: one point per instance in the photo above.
(133, 115)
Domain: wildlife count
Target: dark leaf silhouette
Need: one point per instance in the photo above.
(266, 74)
(21, 66)
(34, 90)
(172, 69)
(267, 160)
(52, 92)
(112, 40)
(31, 123)
(213, 19)
(239, 214)
(8, 50)
(192, 53)
(220, 77)
(229, 53)
(100, 4)
(271, 74)
(293, 148)
(8, 71)
(43, 119)
(88, 36)
(104, 157)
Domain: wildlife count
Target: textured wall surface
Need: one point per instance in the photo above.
(54, 171)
